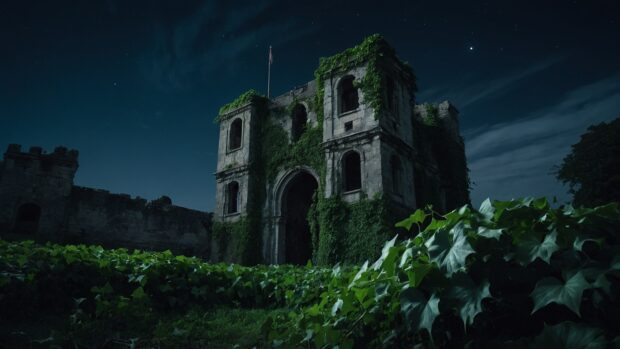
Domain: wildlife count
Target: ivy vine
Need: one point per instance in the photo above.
(431, 118)
(245, 98)
(372, 53)
(340, 231)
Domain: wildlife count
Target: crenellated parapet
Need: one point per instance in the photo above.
(39, 201)
(37, 158)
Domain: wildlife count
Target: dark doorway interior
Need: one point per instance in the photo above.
(300, 119)
(348, 95)
(232, 199)
(27, 221)
(352, 171)
(295, 204)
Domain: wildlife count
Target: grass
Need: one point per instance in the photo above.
(218, 328)
(197, 328)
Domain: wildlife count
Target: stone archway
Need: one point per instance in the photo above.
(295, 239)
(27, 220)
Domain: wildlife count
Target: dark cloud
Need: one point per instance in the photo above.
(472, 90)
(134, 85)
(517, 158)
(213, 38)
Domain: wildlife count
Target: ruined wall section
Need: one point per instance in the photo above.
(281, 107)
(58, 211)
(441, 165)
(117, 220)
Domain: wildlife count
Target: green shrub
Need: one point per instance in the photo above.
(516, 273)
(511, 274)
(101, 295)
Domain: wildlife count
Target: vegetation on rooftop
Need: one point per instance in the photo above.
(431, 117)
(245, 98)
(371, 53)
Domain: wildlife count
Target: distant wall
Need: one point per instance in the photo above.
(39, 201)
(117, 220)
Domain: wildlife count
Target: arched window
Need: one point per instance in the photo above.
(232, 197)
(234, 137)
(347, 94)
(28, 216)
(396, 173)
(300, 119)
(351, 168)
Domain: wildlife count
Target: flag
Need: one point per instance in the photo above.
(270, 56)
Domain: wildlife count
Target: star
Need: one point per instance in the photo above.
(471, 48)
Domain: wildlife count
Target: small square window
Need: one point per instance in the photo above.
(348, 126)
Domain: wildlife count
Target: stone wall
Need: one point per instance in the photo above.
(117, 220)
(62, 212)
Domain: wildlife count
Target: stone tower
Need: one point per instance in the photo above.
(35, 189)
(237, 133)
(322, 172)
(377, 140)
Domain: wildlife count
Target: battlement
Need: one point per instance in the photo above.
(61, 156)
(115, 202)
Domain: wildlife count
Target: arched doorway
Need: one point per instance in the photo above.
(27, 221)
(296, 200)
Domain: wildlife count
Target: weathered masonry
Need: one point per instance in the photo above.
(39, 201)
(322, 172)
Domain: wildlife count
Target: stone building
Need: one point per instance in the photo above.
(39, 201)
(319, 173)
(354, 134)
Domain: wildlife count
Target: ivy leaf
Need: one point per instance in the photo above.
(468, 296)
(449, 249)
(416, 218)
(138, 293)
(581, 240)
(419, 312)
(550, 290)
(337, 306)
(602, 283)
(388, 257)
(531, 248)
(569, 335)
(490, 233)
(436, 224)
(406, 257)
(359, 274)
(615, 263)
(416, 273)
(487, 209)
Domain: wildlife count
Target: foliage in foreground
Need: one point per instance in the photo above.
(513, 274)
(114, 295)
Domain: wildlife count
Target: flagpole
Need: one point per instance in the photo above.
(269, 73)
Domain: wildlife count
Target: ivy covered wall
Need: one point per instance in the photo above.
(341, 232)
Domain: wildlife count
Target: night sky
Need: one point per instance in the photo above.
(135, 85)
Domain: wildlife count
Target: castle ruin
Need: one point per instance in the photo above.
(353, 139)
(320, 173)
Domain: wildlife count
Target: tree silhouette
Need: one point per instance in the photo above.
(592, 169)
